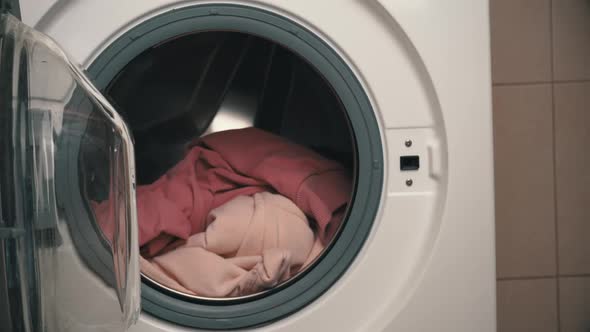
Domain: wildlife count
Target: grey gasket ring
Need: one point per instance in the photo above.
(335, 261)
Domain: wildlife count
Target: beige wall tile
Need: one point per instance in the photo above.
(572, 138)
(525, 223)
(574, 303)
(527, 305)
(571, 39)
(520, 35)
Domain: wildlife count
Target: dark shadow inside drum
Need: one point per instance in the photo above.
(196, 84)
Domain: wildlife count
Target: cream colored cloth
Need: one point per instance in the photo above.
(251, 243)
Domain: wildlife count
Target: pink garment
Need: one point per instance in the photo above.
(251, 243)
(227, 164)
(318, 186)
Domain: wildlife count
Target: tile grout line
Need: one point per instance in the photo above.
(554, 142)
(526, 278)
(522, 83)
(542, 82)
(581, 275)
(570, 81)
(578, 275)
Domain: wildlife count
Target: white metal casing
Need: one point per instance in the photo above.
(428, 264)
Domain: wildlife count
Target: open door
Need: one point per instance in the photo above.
(63, 265)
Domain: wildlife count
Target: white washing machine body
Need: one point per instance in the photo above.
(428, 263)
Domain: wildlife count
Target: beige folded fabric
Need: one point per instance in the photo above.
(251, 243)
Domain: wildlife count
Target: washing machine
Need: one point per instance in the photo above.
(100, 97)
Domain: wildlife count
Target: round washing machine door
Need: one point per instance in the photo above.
(142, 52)
(50, 276)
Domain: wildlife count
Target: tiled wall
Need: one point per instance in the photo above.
(541, 94)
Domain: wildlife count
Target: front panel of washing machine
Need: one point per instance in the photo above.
(68, 229)
(425, 68)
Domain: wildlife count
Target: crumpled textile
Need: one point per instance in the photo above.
(318, 186)
(251, 243)
(224, 165)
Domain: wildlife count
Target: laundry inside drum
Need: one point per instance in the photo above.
(245, 163)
